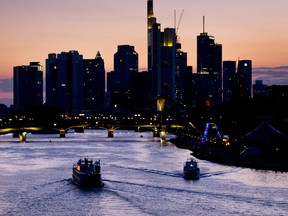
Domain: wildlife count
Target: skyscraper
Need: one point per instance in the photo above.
(125, 63)
(64, 81)
(119, 81)
(183, 80)
(28, 86)
(162, 63)
(209, 68)
(154, 52)
(245, 68)
(229, 72)
(94, 84)
(242, 83)
(168, 63)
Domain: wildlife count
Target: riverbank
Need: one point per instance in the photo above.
(234, 154)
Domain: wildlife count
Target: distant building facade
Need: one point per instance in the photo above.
(28, 86)
(64, 81)
(278, 94)
(259, 89)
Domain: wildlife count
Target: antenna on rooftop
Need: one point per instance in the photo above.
(203, 24)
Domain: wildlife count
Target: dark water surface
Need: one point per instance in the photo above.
(141, 176)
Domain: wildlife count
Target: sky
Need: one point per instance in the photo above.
(31, 29)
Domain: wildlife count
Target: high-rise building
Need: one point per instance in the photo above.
(162, 59)
(94, 84)
(154, 52)
(28, 85)
(229, 71)
(168, 63)
(209, 69)
(242, 83)
(119, 80)
(125, 64)
(64, 81)
(183, 80)
(245, 68)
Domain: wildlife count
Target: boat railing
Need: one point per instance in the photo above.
(87, 165)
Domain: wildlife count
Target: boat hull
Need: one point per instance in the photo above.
(191, 174)
(87, 179)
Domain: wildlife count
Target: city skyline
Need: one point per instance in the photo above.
(31, 31)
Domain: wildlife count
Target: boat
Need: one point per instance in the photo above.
(86, 173)
(191, 169)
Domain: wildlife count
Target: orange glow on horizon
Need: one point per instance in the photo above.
(257, 33)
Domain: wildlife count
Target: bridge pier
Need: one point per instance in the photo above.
(23, 137)
(62, 133)
(110, 133)
(156, 132)
(163, 136)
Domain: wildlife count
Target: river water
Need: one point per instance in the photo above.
(141, 176)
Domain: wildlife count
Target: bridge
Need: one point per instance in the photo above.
(158, 130)
(156, 121)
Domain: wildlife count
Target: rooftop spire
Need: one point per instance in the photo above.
(150, 14)
(150, 9)
(98, 55)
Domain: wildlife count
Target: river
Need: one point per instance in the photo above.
(141, 176)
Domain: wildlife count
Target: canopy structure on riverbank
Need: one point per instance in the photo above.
(266, 136)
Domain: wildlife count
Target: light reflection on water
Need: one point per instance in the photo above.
(141, 176)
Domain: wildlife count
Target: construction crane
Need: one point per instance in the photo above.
(178, 45)
(179, 21)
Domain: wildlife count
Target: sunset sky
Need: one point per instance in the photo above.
(31, 29)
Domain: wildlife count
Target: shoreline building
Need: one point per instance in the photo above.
(27, 86)
(64, 81)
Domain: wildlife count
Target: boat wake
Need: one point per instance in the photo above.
(216, 173)
(158, 172)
